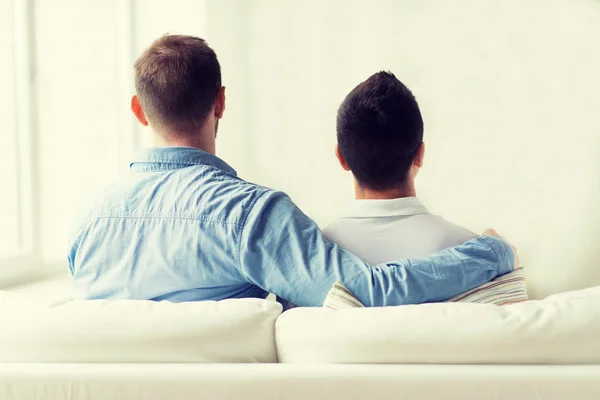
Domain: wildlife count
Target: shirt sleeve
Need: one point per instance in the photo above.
(283, 251)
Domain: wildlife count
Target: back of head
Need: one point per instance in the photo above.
(379, 131)
(177, 80)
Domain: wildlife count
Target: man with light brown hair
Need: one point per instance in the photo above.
(185, 227)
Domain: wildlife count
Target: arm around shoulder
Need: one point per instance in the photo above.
(283, 251)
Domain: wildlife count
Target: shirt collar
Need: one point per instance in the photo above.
(405, 206)
(167, 158)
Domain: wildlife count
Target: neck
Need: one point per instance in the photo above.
(204, 142)
(405, 190)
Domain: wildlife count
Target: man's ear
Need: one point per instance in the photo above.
(420, 156)
(341, 159)
(220, 103)
(136, 108)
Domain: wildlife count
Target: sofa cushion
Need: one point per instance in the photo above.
(576, 294)
(554, 331)
(228, 331)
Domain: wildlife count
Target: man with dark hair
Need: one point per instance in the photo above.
(184, 227)
(380, 139)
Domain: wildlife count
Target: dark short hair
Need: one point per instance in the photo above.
(379, 131)
(177, 80)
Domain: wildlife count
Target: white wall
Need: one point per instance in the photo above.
(509, 91)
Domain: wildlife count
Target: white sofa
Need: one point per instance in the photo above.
(236, 349)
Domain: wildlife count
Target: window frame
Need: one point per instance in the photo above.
(28, 264)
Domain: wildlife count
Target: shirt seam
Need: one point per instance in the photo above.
(384, 216)
(243, 226)
(171, 217)
(177, 165)
(166, 161)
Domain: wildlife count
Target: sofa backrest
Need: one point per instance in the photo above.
(563, 329)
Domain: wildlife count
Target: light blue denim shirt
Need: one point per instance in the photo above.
(184, 227)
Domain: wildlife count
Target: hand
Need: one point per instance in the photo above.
(493, 233)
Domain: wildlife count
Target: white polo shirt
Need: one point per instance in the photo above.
(383, 230)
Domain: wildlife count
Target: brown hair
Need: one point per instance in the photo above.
(177, 80)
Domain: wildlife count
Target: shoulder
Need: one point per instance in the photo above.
(351, 233)
(333, 231)
(265, 200)
(450, 233)
(98, 204)
(253, 190)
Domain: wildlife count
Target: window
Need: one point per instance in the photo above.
(63, 137)
(78, 112)
(17, 256)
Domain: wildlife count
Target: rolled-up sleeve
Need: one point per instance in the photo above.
(283, 251)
